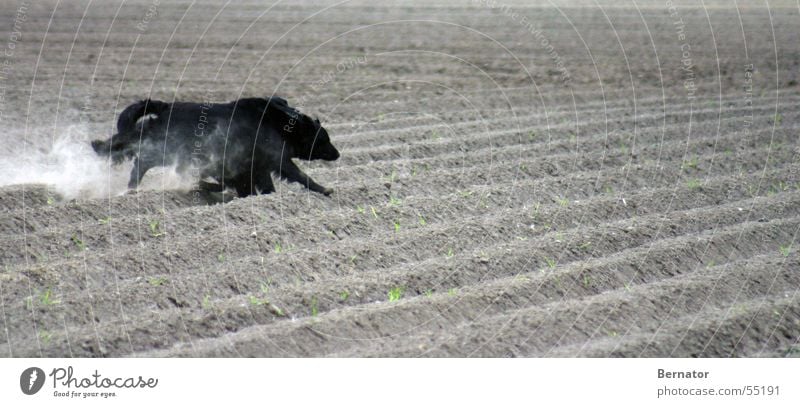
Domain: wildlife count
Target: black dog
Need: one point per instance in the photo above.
(237, 144)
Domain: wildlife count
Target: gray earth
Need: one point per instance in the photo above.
(572, 179)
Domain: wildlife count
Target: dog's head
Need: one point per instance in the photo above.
(309, 140)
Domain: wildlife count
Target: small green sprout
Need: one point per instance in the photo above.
(452, 292)
(394, 201)
(692, 163)
(551, 263)
(155, 228)
(395, 293)
(265, 286)
(422, 220)
(105, 220)
(46, 336)
(278, 248)
(693, 183)
(156, 281)
(221, 257)
(428, 292)
(207, 301)
(785, 250)
(344, 295)
(374, 212)
(396, 226)
(449, 252)
(360, 209)
(78, 242)
(47, 298)
(314, 307)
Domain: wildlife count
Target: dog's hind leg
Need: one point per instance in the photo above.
(140, 167)
(264, 183)
(291, 172)
(244, 185)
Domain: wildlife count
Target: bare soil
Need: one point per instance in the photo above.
(507, 187)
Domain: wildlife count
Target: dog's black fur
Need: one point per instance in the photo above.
(237, 144)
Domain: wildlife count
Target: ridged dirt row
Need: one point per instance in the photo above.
(486, 204)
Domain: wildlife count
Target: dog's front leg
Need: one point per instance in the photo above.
(291, 172)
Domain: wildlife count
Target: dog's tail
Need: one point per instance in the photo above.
(118, 146)
(131, 114)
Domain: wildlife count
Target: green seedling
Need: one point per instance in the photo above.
(452, 292)
(531, 135)
(395, 294)
(50, 200)
(314, 307)
(374, 212)
(156, 281)
(422, 221)
(449, 252)
(428, 292)
(785, 250)
(255, 301)
(46, 336)
(353, 259)
(155, 228)
(381, 117)
(396, 226)
(391, 177)
(344, 295)
(692, 163)
(586, 280)
(360, 209)
(585, 245)
(78, 242)
(550, 262)
(778, 119)
(435, 135)
(563, 202)
(608, 189)
(394, 201)
(207, 301)
(278, 248)
(265, 286)
(220, 257)
(693, 183)
(465, 194)
(47, 298)
(105, 220)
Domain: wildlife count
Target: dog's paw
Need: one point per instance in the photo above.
(327, 191)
